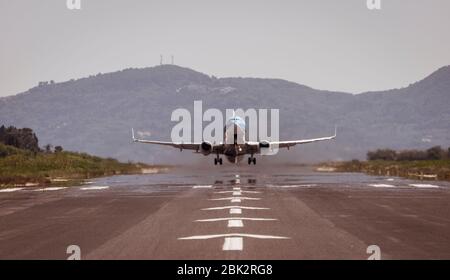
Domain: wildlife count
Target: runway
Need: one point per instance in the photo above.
(230, 213)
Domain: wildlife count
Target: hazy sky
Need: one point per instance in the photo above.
(325, 44)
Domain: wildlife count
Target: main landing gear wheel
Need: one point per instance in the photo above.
(252, 160)
(218, 161)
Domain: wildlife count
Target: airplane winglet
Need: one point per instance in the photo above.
(132, 135)
(335, 131)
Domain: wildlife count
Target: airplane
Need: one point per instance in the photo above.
(235, 151)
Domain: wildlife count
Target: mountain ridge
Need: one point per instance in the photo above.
(94, 114)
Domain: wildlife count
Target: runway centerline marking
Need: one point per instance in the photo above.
(236, 200)
(235, 223)
(233, 244)
(236, 211)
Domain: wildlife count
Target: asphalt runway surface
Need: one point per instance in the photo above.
(229, 212)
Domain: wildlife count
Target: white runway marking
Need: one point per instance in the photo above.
(232, 206)
(236, 200)
(237, 193)
(390, 179)
(236, 189)
(50, 189)
(381, 186)
(425, 186)
(235, 223)
(258, 236)
(227, 219)
(231, 198)
(60, 180)
(94, 188)
(10, 190)
(292, 186)
(236, 211)
(233, 244)
(202, 187)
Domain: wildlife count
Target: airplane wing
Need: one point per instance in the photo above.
(287, 144)
(181, 146)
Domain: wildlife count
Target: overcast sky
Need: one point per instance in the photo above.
(325, 44)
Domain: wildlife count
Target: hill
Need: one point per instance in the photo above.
(95, 114)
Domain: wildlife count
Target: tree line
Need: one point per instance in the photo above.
(433, 153)
(23, 138)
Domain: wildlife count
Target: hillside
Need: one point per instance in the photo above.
(95, 114)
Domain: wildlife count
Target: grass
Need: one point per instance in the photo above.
(408, 169)
(20, 166)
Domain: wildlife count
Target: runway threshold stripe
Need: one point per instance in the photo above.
(233, 244)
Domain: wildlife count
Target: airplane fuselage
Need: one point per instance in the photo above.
(234, 139)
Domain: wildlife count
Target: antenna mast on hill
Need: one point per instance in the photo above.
(172, 59)
(160, 59)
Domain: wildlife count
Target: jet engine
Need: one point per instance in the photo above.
(206, 148)
(264, 144)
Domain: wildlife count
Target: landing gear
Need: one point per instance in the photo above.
(252, 160)
(217, 161)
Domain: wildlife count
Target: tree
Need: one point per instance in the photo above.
(411, 155)
(435, 153)
(48, 148)
(22, 138)
(382, 154)
(58, 149)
